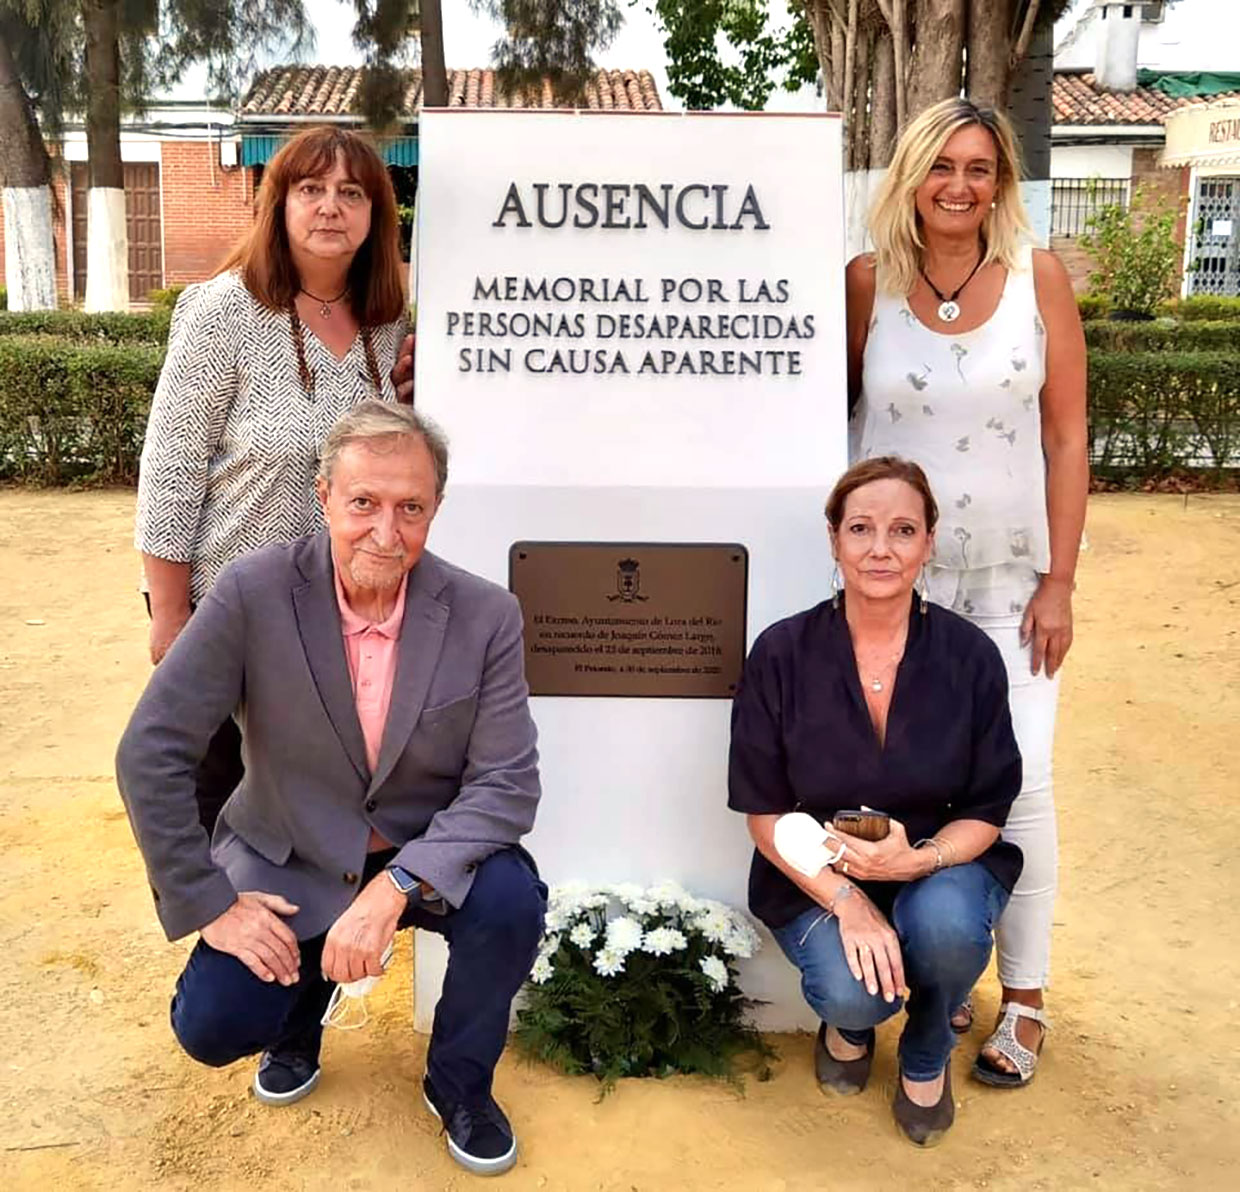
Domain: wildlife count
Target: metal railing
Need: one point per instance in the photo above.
(1074, 200)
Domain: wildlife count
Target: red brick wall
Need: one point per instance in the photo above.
(205, 209)
(1077, 262)
(60, 211)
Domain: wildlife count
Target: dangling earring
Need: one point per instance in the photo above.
(921, 591)
(835, 587)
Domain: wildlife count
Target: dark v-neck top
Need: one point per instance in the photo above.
(802, 739)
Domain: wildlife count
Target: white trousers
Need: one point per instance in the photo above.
(1024, 932)
(994, 600)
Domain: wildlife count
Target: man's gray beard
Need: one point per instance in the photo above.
(389, 581)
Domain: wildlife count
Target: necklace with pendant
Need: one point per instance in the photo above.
(875, 681)
(949, 308)
(326, 304)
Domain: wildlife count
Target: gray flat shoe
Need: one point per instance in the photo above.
(845, 1077)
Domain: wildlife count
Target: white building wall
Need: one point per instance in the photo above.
(1091, 161)
(1192, 35)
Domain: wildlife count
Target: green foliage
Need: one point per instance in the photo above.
(165, 300)
(1153, 412)
(1135, 252)
(551, 39)
(654, 1015)
(1203, 307)
(4, 298)
(1163, 335)
(73, 411)
(113, 327)
(701, 34)
(1093, 306)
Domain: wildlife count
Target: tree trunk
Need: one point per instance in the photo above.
(883, 103)
(1031, 114)
(30, 252)
(935, 69)
(859, 108)
(107, 242)
(434, 70)
(989, 51)
(837, 101)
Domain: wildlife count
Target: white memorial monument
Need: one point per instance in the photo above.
(631, 327)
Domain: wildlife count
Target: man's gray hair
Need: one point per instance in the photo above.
(373, 419)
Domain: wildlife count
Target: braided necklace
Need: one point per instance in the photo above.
(949, 308)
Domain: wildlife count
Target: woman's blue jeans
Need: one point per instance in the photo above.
(945, 923)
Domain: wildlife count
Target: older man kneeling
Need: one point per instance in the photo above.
(391, 770)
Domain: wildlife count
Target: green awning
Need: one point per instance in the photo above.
(256, 150)
(1185, 84)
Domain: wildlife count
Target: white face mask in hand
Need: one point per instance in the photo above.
(346, 1010)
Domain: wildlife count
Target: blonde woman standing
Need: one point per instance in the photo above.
(966, 354)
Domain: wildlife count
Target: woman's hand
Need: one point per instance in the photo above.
(871, 947)
(1048, 624)
(892, 859)
(402, 372)
(166, 626)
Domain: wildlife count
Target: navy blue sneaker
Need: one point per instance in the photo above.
(479, 1136)
(285, 1076)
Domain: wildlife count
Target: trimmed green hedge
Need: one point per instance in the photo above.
(1203, 308)
(1163, 335)
(1152, 412)
(150, 327)
(73, 411)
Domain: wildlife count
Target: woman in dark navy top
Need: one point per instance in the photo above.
(876, 699)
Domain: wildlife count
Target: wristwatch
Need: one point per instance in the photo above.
(403, 880)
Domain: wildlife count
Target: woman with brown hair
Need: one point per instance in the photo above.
(873, 756)
(303, 320)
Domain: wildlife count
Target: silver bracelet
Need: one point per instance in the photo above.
(938, 852)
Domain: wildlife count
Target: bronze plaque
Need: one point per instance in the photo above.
(632, 618)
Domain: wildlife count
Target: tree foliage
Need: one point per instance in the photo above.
(879, 61)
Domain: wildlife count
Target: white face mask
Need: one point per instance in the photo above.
(346, 1010)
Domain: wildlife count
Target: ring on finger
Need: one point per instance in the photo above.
(844, 869)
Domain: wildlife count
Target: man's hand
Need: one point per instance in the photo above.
(166, 625)
(356, 941)
(252, 931)
(402, 373)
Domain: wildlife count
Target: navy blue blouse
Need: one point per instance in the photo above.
(802, 739)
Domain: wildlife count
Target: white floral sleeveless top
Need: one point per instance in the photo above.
(966, 408)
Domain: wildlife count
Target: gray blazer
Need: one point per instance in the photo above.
(457, 776)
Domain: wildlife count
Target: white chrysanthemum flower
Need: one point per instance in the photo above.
(556, 918)
(716, 972)
(623, 935)
(582, 935)
(715, 922)
(643, 906)
(626, 891)
(541, 972)
(670, 894)
(664, 940)
(608, 963)
(742, 941)
(595, 901)
(549, 946)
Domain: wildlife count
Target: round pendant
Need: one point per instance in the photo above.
(876, 685)
(949, 311)
(326, 311)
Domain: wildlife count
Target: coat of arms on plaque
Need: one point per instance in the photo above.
(628, 582)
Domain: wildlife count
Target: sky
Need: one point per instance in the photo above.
(468, 39)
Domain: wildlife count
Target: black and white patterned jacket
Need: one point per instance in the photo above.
(233, 441)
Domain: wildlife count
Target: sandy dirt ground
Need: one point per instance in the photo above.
(1139, 1088)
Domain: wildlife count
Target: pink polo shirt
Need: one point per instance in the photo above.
(371, 650)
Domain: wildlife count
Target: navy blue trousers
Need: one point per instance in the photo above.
(221, 1011)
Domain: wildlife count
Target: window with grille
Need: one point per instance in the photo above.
(1074, 200)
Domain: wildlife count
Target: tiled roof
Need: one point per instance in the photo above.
(332, 91)
(1077, 99)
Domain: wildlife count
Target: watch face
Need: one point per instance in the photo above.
(405, 881)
